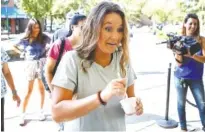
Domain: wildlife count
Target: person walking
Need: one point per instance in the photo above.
(68, 43)
(33, 48)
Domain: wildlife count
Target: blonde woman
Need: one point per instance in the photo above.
(91, 71)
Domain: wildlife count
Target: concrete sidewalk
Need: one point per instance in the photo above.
(5, 37)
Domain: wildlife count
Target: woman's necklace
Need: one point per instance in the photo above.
(31, 39)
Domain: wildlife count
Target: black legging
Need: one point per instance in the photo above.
(2, 114)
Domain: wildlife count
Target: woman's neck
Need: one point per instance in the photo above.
(73, 41)
(31, 39)
(190, 35)
(33, 36)
(102, 58)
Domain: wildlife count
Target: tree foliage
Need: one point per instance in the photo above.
(134, 9)
(37, 8)
(193, 6)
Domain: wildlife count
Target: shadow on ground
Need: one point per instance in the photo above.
(143, 118)
(148, 73)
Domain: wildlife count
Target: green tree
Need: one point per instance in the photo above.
(87, 5)
(200, 5)
(133, 9)
(36, 8)
(193, 6)
(60, 8)
(48, 11)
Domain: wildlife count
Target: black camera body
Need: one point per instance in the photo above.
(181, 45)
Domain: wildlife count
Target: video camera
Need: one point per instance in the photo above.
(181, 45)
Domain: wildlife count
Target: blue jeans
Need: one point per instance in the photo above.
(197, 89)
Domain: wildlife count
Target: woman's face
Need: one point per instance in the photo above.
(35, 30)
(77, 28)
(111, 33)
(191, 26)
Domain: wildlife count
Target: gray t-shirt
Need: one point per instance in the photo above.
(70, 76)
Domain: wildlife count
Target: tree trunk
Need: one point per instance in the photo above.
(51, 23)
(45, 23)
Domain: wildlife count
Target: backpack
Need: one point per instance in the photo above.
(62, 45)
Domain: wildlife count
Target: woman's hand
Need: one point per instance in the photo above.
(115, 88)
(178, 57)
(139, 106)
(188, 54)
(17, 99)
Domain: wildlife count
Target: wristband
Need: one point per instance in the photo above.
(100, 99)
(14, 92)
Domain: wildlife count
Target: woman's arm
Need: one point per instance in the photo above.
(14, 47)
(139, 105)
(50, 64)
(52, 58)
(65, 109)
(201, 58)
(178, 59)
(131, 91)
(198, 57)
(10, 82)
(8, 76)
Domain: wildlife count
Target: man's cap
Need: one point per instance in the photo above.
(76, 18)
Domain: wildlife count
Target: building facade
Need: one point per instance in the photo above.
(13, 20)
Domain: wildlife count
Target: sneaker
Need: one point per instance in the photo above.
(42, 116)
(60, 127)
(22, 121)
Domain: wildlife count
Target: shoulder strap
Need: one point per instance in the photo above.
(62, 45)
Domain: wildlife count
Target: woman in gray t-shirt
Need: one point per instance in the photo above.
(98, 73)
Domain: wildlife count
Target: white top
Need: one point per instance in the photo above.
(70, 76)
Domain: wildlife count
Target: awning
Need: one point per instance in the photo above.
(12, 12)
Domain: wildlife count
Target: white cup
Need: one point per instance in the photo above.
(129, 105)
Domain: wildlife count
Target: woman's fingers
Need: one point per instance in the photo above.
(119, 88)
(122, 80)
(119, 91)
(139, 106)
